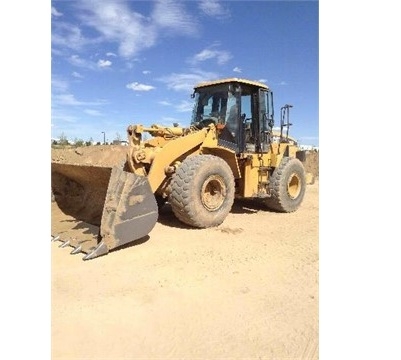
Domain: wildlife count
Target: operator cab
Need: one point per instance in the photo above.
(242, 111)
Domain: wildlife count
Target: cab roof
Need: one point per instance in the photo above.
(231, 80)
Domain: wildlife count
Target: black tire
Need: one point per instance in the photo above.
(287, 186)
(202, 191)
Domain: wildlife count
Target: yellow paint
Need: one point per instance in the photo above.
(171, 152)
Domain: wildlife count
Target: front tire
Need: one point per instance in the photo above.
(287, 186)
(202, 191)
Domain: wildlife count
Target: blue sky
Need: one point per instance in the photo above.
(115, 63)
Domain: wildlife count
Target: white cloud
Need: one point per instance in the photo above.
(117, 23)
(214, 8)
(93, 112)
(61, 96)
(66, 35)
(135, 86)
(66, 99)
(146, 72)
(104, 63)
(237, 69)
(78, 61)
(165, 103)
(69, 99)
(132, 31)
(59, 86)
(171, 15)
(283, 83)
(55, 12)
(61, 117)
(77, 75)
(221, 56)
(186, 82)
(263, 80)
(185, 106)
(57, 52)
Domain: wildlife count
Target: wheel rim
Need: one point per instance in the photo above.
(213, 192)
(294, 186)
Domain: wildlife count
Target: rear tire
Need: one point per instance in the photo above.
(287, 186)
(202, 191)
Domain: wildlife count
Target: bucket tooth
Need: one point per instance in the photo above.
(99, 250)
(65, 244)
(55, 238)
(77, 250)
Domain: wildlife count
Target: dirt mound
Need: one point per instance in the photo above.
(99, 155)
(311, 163)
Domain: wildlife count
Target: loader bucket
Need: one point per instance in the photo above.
(119, 203)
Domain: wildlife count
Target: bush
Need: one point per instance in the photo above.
(79, 142)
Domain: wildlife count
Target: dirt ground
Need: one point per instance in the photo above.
(248, 289)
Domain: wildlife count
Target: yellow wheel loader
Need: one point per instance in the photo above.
(227, 152)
